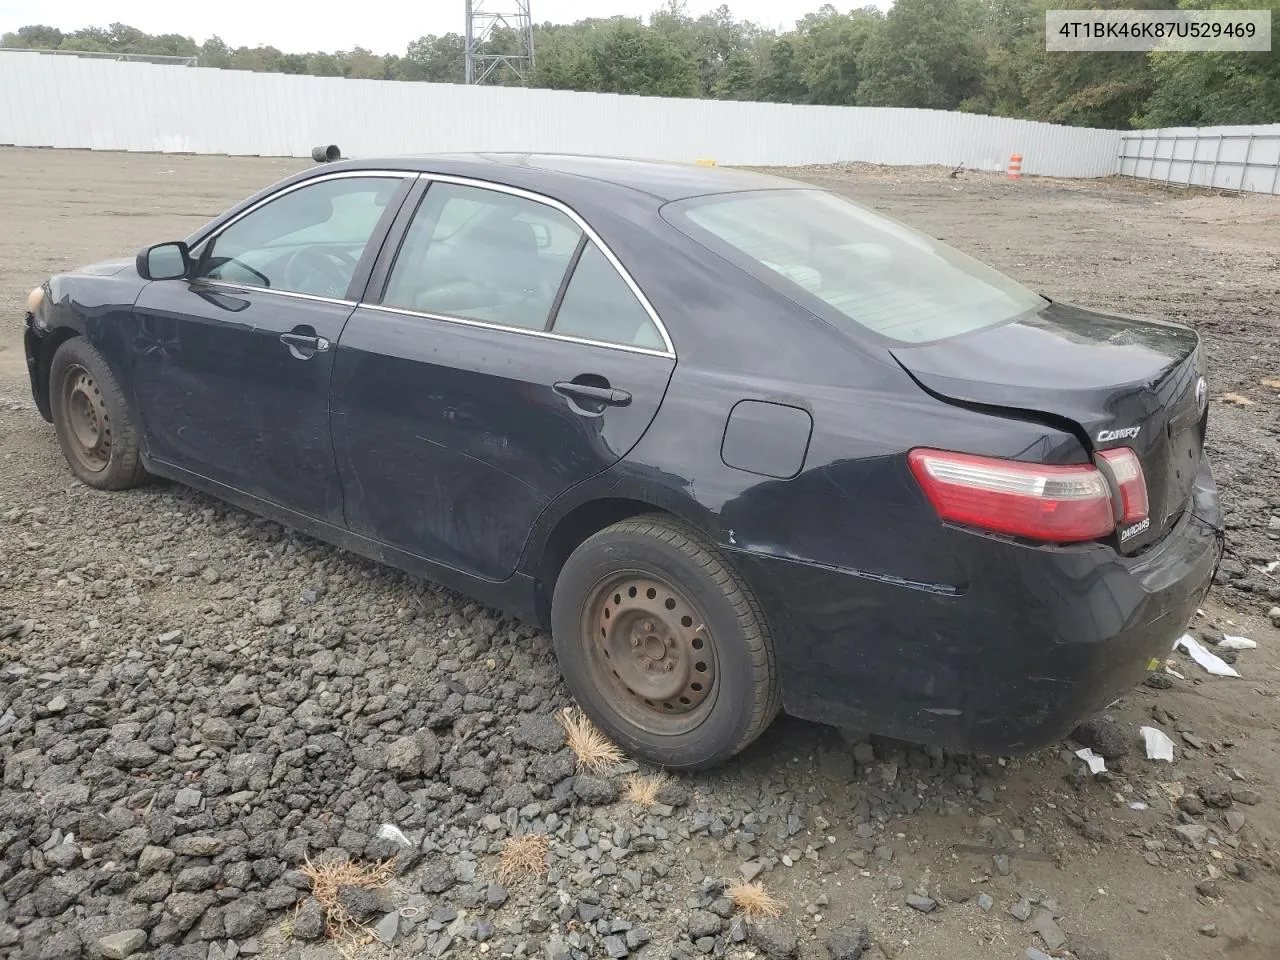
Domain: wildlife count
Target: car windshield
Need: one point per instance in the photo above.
(878, 273)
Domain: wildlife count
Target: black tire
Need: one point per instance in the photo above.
(95, 431)
(690, 581)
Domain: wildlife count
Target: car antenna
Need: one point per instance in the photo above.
(326, 153)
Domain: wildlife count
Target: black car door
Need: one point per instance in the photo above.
(231, 366)
(504, 359)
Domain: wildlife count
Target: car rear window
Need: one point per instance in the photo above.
(868, 269)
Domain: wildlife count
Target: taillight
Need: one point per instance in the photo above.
(1047, 502)
(1130, 483)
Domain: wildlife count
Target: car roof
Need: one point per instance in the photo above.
(660, 179)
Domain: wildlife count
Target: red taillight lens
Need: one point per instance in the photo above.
(1061, 504)
(1131, 483)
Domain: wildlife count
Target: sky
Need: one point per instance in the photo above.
(383, 26)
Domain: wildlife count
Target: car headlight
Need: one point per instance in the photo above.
(34, 299)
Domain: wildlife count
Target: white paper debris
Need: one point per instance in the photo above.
(1200, 655)
(1137, 805)
(389, 831)
(1095, 762)
(1237, 643)
(1159, 747)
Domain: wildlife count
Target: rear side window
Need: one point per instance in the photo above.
(598, 305)
(483, 255)
(863, 269)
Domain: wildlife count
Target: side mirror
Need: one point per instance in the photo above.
(164, 261)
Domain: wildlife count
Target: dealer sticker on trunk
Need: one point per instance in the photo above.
(1136, 529)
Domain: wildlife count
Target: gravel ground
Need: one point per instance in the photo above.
(195, 703)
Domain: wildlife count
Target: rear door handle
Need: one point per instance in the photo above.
(304, 346)
(609, 396)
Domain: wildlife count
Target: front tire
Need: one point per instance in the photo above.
(663, 644)
(97, 436)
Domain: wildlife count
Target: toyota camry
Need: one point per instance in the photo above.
(741, 445)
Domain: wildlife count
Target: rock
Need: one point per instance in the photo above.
(849, 942)
(594, 791)
(388, 928)
(469, 780)
(704, 923)
(1044, 924)
(54, 896)
(1036, 954)
(269, 612)
(414, 756)
(153, 889)
(864, 754)
(437, 877)
(1001, 862)
(985, 902)
(1215, 795)
(117, 946)
(1245, 795)
(358, 901)
(1021, 910)
(186, 908)
(637, 937)
(957, 894)
(1105, 737)
(309, 923)
(218, 733)
(1209, 930)
(1193, 833)
(63, 945)
(1190, 803)
(774, 938)
(539, 731)
(243, 917)
(615, 947)
(198, 846)
(1235, 821)
(923, 904)
(1208, 888)
(1159, 681)
(495, 895)
(557, 949)
(673, 793)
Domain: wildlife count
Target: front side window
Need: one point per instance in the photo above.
(307, 241)
(864, 269)
(483, 255)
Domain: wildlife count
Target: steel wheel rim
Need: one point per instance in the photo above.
(87, 421)
(650, 652)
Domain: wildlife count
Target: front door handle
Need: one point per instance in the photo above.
(609, 396)
(303, 346)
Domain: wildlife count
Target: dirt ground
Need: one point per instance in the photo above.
(1102, 853)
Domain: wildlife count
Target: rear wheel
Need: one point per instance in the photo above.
(663, 644)
(95, 432)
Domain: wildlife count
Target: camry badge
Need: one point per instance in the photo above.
(1202, 394)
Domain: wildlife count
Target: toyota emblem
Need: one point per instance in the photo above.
(1202, 394)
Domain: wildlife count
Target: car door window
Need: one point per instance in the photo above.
(307, 241)
(598, 305)
(483, 255)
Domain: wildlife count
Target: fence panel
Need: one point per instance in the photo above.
(1227, 158)
(111, 105)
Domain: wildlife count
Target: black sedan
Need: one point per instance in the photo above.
(740, 444)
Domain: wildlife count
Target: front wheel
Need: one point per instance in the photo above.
(663, 644)
(97, 437)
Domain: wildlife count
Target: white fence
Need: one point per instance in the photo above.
(1232, 158)
(108, 105)
(105, 105)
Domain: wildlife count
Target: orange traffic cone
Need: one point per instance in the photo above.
(1015, 167)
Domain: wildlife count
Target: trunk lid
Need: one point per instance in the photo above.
(1117, 381)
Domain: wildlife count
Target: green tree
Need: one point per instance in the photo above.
(1211, 88)
(926, 54)
(832, 42)
(435, 59)
(34, 37)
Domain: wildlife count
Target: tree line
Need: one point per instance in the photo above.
(979, 56)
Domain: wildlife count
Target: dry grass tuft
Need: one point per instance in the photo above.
(754, 900)
(327, 877)
(643, 790)
(596, 753)
(523, 856)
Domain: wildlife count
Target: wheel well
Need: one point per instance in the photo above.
(48, 347)
(572, 529)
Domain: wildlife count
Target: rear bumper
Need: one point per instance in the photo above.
(1037, 639)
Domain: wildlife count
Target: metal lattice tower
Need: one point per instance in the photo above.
(482, 62)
